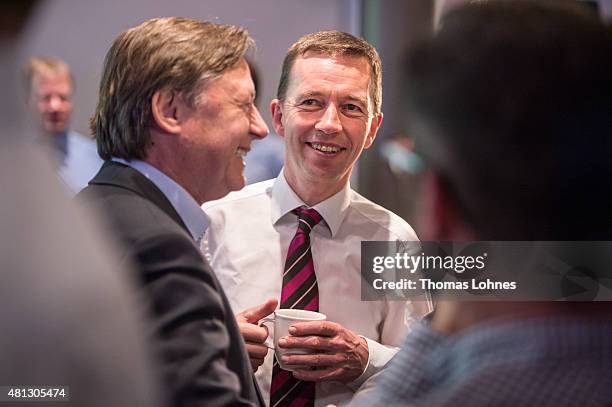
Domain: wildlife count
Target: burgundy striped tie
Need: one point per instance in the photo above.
(299, 291)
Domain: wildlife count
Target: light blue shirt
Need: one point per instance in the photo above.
(265, 159)
(188, 209)
(548, 361)
(78, 159)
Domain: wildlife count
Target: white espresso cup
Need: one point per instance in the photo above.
(283, 319)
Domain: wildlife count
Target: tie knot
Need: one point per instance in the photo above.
(308, 217)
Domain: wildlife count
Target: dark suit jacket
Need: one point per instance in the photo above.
(201, 352)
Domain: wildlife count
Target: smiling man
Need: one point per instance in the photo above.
(328, 111)
(174, 119)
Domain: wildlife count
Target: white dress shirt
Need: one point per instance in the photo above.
(187, 208)
(247, 243)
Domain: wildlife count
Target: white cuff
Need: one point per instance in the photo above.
(378, 356)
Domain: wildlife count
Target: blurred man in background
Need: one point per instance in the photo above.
(510, 106)
(49, 88)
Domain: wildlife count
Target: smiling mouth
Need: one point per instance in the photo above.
(324, 148)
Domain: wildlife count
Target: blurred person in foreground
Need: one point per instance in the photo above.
(174, 119)
(49, 87)
(67, 313)
(297, 239)
(509, 105)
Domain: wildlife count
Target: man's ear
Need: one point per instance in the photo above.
(277, 117)
(440, 217)
(167, 106)
(374, 126)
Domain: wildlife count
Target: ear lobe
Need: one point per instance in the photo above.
(277, 116)
(374, 126)
(165, 106)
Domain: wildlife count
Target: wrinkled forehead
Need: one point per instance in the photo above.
(336, 58)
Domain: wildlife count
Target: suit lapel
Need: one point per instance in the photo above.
(123, 176)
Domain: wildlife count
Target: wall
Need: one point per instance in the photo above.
(81, 32)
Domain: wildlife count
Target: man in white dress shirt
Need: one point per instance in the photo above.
(328, 111)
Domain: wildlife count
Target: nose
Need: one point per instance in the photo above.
(330, 121)
(258, 125)
(56, 103)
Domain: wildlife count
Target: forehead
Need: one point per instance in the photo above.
(315, 71)
(57, 83)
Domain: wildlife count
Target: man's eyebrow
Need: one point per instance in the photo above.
(360, 99)
(244, 97)
(252, 96)
(309, 93)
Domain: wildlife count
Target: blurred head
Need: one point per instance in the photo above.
(180, 89)
(328, 109)
(48, 84)
(509, 103)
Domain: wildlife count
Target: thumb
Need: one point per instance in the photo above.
(252, 315)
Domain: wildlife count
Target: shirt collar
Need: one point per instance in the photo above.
(188, 209)
(333, 209)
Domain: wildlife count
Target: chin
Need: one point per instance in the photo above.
(238, 186)
(326, 173)
(237, 183)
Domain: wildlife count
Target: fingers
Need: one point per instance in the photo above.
(317, 375)
(255, 363)
(253, 333)
(256, 351)
(340, 373)
(319, 343)
(337, 353)
(315, 360)
(248, 319)
(257, 354)
(258, 312)
(322, 328)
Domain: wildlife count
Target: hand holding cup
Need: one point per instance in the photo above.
(283, 319)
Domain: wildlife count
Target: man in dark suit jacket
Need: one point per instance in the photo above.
(174, 119)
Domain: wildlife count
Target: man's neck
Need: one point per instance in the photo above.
(57, 137)
(167, 160)
(312, 192)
